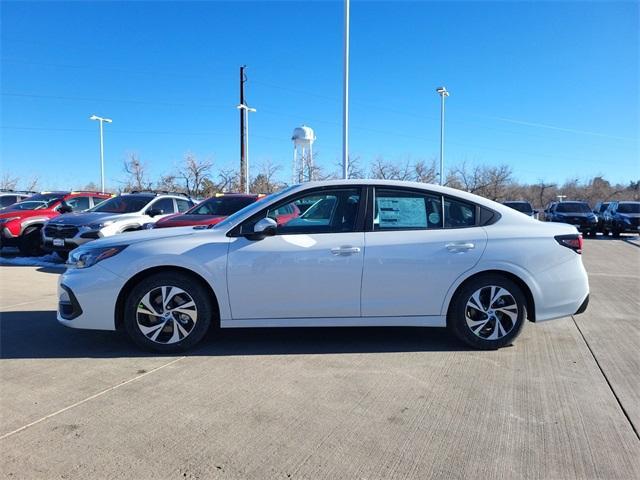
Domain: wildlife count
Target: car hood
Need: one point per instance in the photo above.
(186, 219)
(576, 214)
(25, 213)
(81, 218)
(630, 215)
(155, 234)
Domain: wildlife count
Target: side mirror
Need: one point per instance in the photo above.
(152, 212)
(265, 227)
(65, 208)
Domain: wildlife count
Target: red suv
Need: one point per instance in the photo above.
(209, 212)
(20, 223)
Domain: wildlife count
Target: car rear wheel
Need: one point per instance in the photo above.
(167, 312)
(30, 240)
(488, 312)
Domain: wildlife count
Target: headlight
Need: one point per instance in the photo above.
(86, 257)
(100, 226)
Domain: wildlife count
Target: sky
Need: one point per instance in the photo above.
(549, 88)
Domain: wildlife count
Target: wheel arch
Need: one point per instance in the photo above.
(119, 308)
(526, 290)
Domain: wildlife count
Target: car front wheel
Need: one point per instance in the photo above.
(488, 312)
(167, 312)
(29, 244)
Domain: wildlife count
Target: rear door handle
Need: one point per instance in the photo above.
(460, 247)
(345, 250)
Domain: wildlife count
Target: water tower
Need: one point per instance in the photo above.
(303, 138)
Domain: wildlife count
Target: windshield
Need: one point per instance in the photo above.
(221, 206)
(251, 208)
(27, 205)
(123, 204)
(629, 208)
(523, 207)
(573, 207)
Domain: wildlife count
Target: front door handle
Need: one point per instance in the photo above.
(345, 250)
(460, 247)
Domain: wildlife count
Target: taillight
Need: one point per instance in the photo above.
(574, 241)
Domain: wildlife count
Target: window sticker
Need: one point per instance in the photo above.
(402, 212)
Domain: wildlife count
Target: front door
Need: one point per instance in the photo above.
(311, 268)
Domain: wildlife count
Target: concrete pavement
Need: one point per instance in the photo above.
(563, 402)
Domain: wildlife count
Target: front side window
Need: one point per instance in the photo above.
(78, 204)
(332, 211)
(406, 210)
(458, 214)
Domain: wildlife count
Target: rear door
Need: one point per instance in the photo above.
(417, 245)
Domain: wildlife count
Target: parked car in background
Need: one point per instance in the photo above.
(575, 213)
(521, 206)
(599, 210)
(546, 213)
(622, 217)
(365, 253)
(210, 211)
(22, 222)
(9, 197)
(125, 213)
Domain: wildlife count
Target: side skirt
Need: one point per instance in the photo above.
(412, 321)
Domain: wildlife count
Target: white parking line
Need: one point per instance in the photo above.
(96, 395)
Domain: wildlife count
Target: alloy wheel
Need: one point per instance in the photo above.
(166, 314)
(491, 312)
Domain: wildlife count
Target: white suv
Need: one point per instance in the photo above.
(362, 253)
(124, 213)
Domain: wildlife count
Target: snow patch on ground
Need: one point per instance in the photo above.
(9, 257)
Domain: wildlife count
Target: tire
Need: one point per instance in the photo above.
(615, 232)
(63, 255)
(30, 242)
(165, 333)
(477, 326)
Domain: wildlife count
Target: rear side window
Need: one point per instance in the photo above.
(183, 205)
(458, 214)
(406, 210)
(164, 204)
(8, 200)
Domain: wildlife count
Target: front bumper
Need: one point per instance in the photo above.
(95, 292)
(67, 244)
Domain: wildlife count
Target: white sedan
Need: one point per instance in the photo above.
(337, 253)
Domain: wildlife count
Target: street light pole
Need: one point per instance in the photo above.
(245, 110)
(345, 95)
(442, 91)
(101, 120)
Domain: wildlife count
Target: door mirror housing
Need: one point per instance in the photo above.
(65, 208)
(152, 212)
(265, 227)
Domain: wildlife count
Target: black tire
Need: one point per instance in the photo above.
(457, 315)
(605, 232)
(63, 255)
(615, 232)
(192, 287)
(30, 242)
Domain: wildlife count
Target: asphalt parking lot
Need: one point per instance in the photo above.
(563, 402)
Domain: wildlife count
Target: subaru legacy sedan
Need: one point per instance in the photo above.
(363, 253)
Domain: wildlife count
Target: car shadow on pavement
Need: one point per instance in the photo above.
(37, 334)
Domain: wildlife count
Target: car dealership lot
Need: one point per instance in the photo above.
(563, 402)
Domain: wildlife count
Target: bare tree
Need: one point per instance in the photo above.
(228, 180)
(193, 172)
(490, 182)
(425, 173)
(169, 183)
(136, 171)
(8, 181)
(264, 182)
(382, 169)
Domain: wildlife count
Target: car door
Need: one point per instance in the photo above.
(417, 245)
(311, 267)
